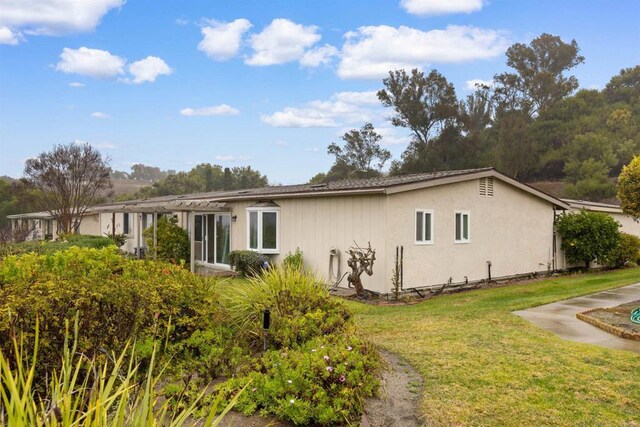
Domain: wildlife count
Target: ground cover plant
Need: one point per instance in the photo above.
(482, 365)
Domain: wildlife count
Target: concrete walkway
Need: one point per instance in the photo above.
(560, 317)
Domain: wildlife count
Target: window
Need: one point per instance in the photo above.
(263, 230)
(424, 226)
(462, 227)
(126, 223)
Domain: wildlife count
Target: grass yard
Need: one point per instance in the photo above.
(482, 365)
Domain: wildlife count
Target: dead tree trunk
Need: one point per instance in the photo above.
(360, 261)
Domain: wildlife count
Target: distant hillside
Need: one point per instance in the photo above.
(127, 186)
(557, 189)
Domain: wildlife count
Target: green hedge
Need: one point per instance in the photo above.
(117, 299)
(44, 247)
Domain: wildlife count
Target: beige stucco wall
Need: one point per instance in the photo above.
(316, 225)
(628, 225)
(513, 229)
(90, 225)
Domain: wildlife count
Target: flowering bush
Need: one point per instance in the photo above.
(317, 369)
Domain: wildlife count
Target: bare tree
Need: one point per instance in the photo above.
(360, 261)
(67, 180)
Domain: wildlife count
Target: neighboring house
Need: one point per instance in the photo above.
(627, 223)
(42, 225)
(452, 226)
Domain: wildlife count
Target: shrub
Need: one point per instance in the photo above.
(626, 253)
(173, 240)
(317, 369)
(294, 260)
(588, 236)
(116, 300)
(301, 307)
(49, 247)
(247, 263)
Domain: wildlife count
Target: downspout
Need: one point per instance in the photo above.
(139, 235)
(554, 244)
(155, 236)
(192, 235)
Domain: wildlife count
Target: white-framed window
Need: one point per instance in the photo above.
(263, 230)
(462, 227)
(424, 226)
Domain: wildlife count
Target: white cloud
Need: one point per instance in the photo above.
(358, 98)
(105, 146)
(390, 136)
(9, 37)
(218, 110)
(182, 21)
(281, 41)
(90, 62)
(312, 150)
(440, 7)
(221, 40)
(373, 51)
(54, 17)
(341, 107)
(473, 83)
(281, 143)
(230, 158)
(148, 69)
(318, 56)
(99, 115)
(104, 65)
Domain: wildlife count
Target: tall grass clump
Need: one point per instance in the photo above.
(89, 392)
(317, 368)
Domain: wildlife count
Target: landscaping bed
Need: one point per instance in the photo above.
(615, 320)
(194, 342)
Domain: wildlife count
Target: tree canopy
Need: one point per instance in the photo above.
(629, 188)
(204, 177)
(67, 180)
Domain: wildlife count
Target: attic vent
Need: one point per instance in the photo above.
(242, 192)
(485, 187)
(318, 185)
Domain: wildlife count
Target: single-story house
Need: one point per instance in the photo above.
(435, 228)
(43, 226)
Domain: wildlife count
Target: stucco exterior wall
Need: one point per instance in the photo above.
(513, 229)
(318, 224)
(90, 225)
(628, 225)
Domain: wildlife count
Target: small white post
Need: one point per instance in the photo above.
(155, 235)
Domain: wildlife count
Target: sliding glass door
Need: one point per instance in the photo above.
(213, 238)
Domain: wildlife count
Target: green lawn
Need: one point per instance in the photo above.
(482, 365)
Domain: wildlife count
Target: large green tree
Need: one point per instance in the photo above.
(424, 104)
(538, 79)
(361, 150)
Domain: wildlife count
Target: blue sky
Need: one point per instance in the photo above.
(270, 84)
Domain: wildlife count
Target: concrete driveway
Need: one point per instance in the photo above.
(560, 317)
